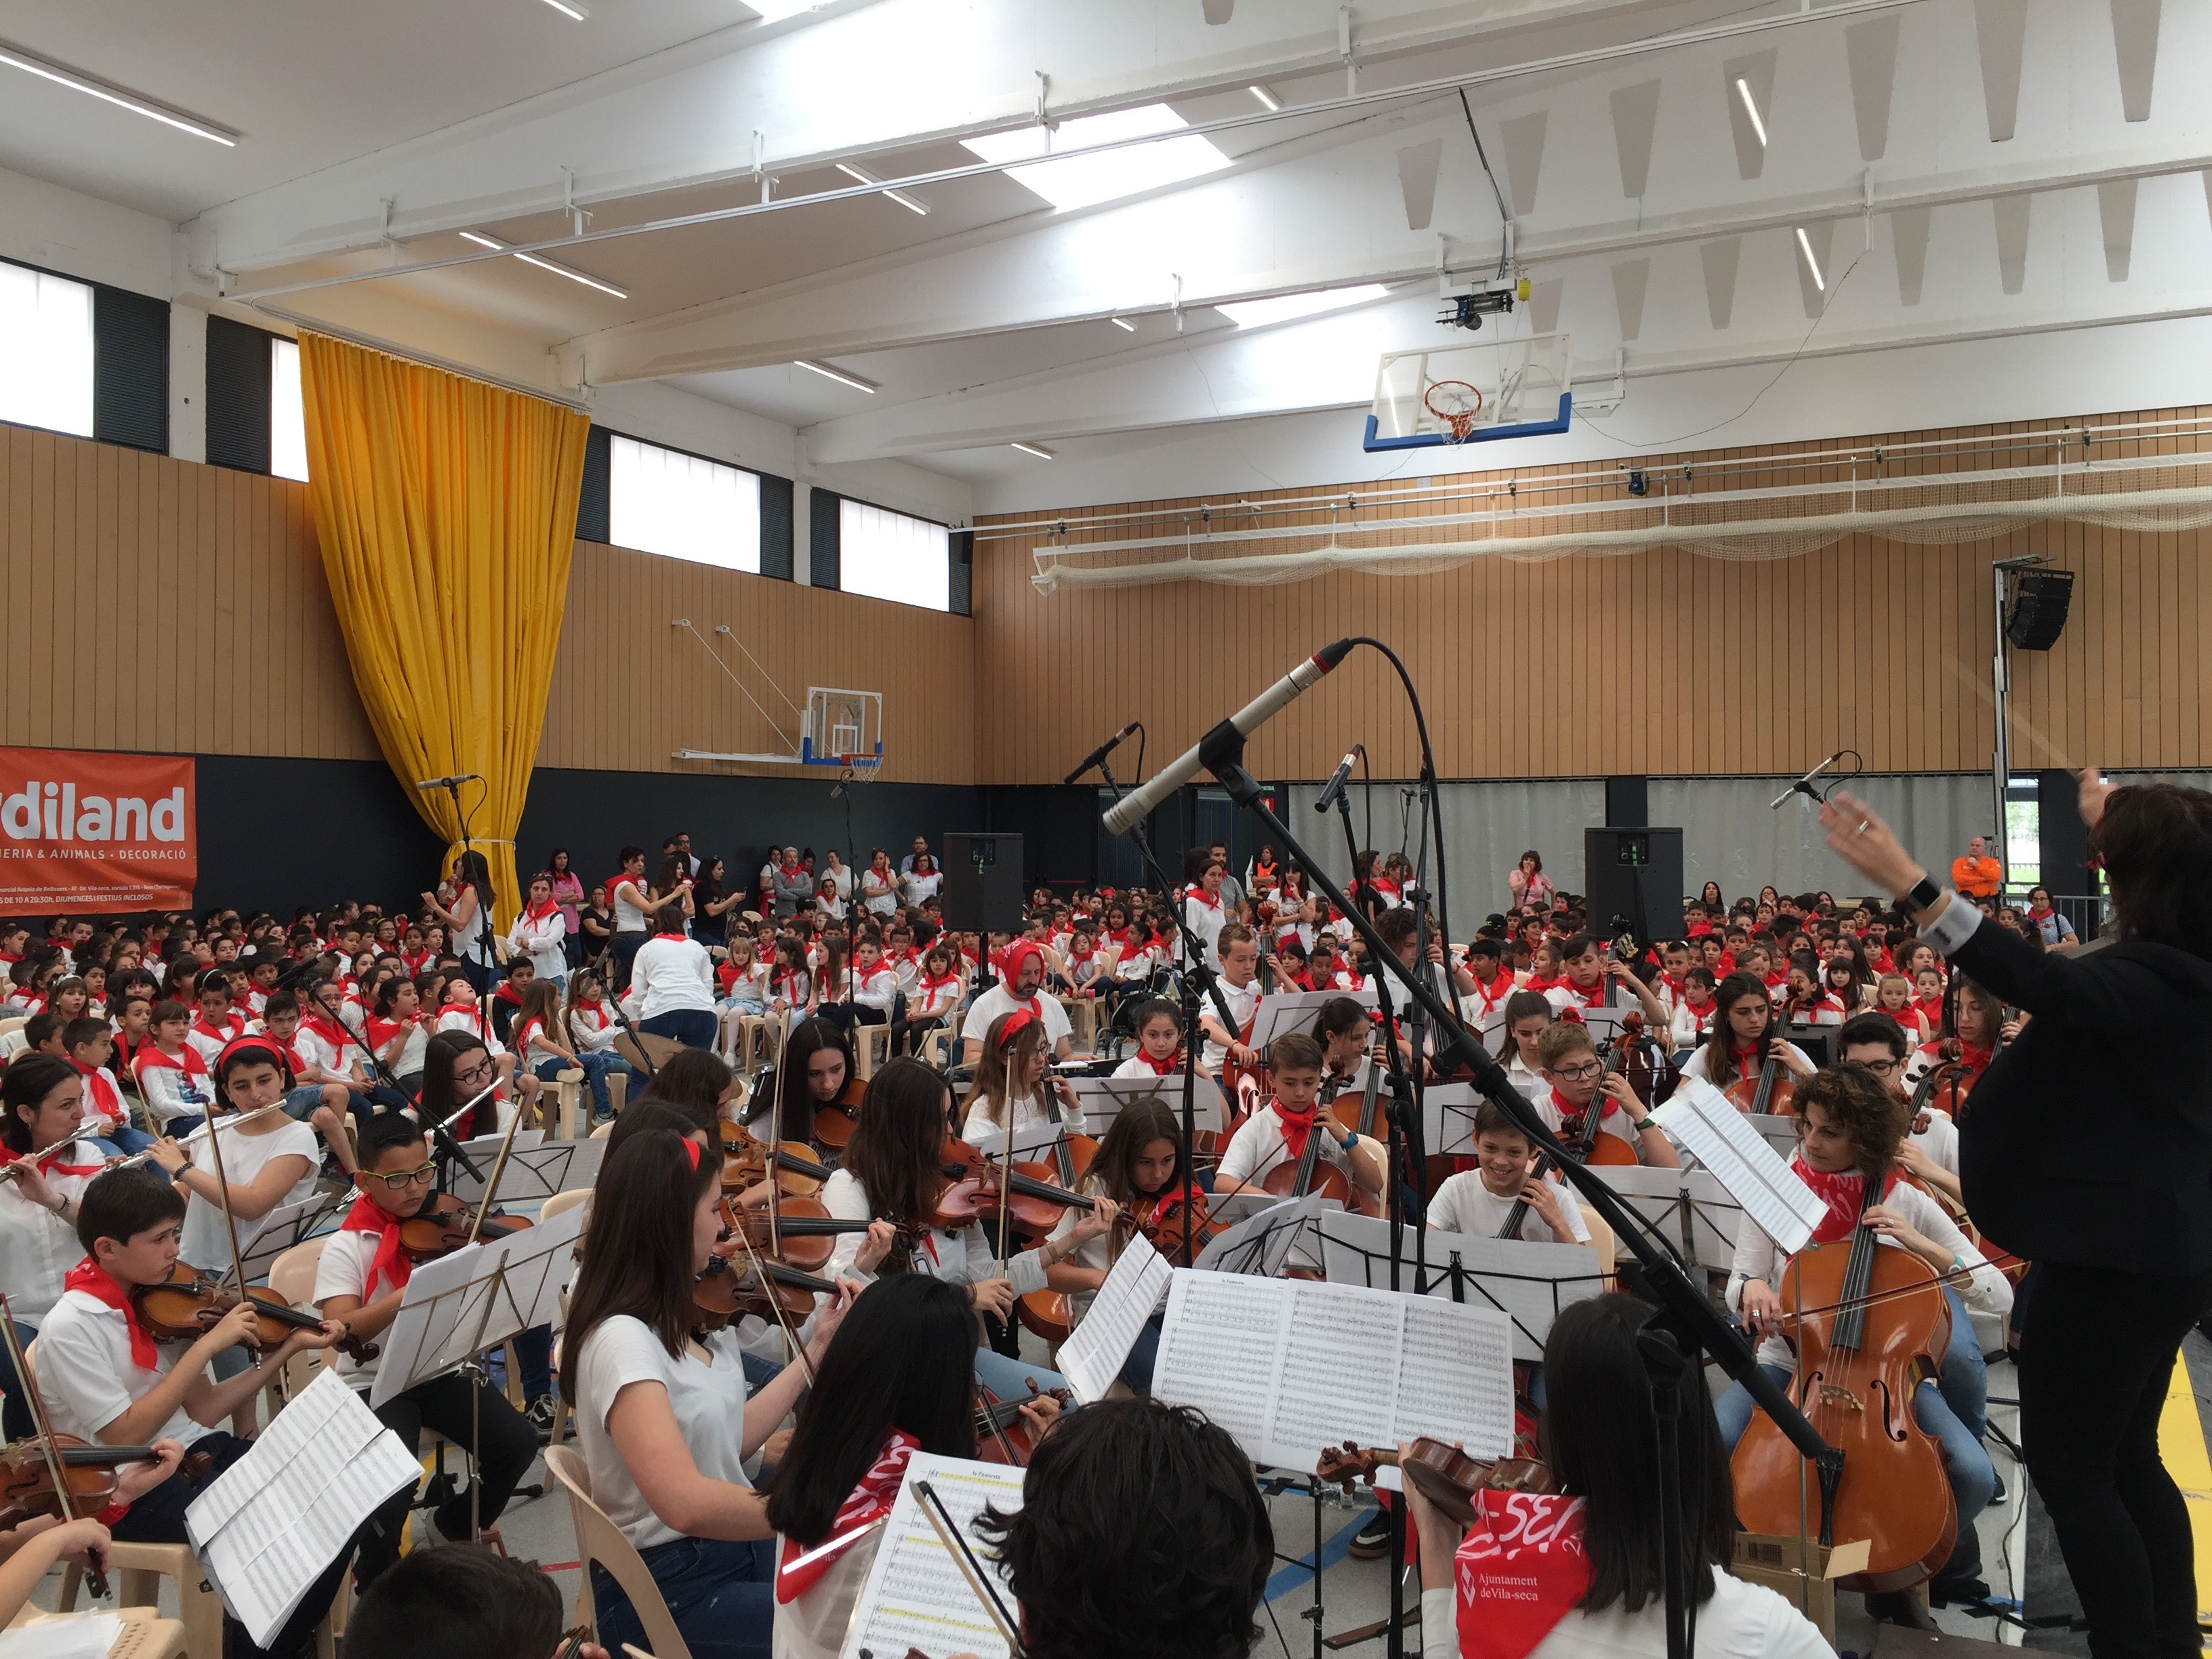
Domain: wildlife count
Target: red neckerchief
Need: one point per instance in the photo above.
(1200, 894)
(189, 1062)
(390, 1263)
(678, 937)
(1385, 886)
(219, 1035)
(96, 1282)
(1493, 990)
(1746, 1060)
(1700, 930)
(104, 1100)
(534, 913)
(1521, 1569)
(1542, 982)
(1773, 981)
(595, 1006)
(1591, 998)
(328, 1030)
(51, 1163)
(1570, 1116)
(803, 1566)
(1975, 1060)
(1842, 1193)
(1169, 1066)
(381, 1032)
(522, 1036)
(1727, 963)
(1297, 1126)
(1703, 1016)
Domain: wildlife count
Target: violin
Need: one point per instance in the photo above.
(1445, 1475)
(724, 1290)
(970, 1188)
(441, 1226)
(26, 1481)
(1002, 1433)
(182, 1308)
(744, 1163)
(833, 1120)
(1868, 1323)
(802, 1233)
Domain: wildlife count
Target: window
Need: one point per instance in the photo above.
(662, 501)
(889, 555)
(46, 351)
(288, 420)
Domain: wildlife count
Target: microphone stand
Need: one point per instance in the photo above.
(1197, 982)
(1683, 1310)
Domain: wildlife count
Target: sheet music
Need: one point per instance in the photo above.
(1525, 1283)
(1702, 1120)
(1290, 1367)
(1448, 1119)
(1093, 1356)
(1287, 1010)
(286, 1225)
(268, 1525)
(915, 1595)
(1103, 1099)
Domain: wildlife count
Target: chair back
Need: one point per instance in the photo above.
(562, 1202)
(598, 1540)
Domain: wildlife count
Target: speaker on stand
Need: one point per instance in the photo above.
(2038, 613)
(1632, 877)
(983, 884)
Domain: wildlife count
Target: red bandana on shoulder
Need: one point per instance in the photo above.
(1843, 1195)
(802, 1567)
(1519, 1571)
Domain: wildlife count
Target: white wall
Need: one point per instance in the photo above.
(81, 236)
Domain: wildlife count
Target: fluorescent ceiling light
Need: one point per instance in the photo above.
(1283, 307)
(774, 11)
(1805, 246)
(1743, 91)
(912, 203)
(565, 9)
(1267, 99)
(1037, 450)
(116, 95)
(1074, 180)
(482, 240)
(837, 374)
(1123, 323)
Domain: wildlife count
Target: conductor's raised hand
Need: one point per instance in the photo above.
(2090, 796)
(1857, 836)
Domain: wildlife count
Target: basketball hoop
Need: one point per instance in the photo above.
(1463, 403)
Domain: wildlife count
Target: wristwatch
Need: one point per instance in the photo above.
(1925, 895)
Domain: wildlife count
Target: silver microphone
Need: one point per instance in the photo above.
(1334, 786)
(447, 783)
(1804, 785)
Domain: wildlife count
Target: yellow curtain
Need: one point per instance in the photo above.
(446, 510)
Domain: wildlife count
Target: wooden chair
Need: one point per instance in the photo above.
(600, 1540)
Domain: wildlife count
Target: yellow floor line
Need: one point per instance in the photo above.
(2181, 1446)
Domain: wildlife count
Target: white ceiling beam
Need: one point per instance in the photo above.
(1315, 221)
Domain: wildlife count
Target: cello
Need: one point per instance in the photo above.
(1868, 1323)
(1768, 1092)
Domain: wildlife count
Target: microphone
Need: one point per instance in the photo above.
(1103, 750)
(1333, 790)
(1139, 804)
(448, 783)
(1804, 785)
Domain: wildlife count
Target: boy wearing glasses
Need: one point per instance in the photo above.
(1930, 1151)
(361, 1279)
(1578, 1079)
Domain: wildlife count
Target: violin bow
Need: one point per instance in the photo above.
(1005, 1186)
(792, 1343)
(941, 1522)
(498, 1167)
(230, 1227)
(95, 1574)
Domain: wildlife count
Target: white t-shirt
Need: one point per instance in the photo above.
(628, 917)
(977, 1128)
(1206, 920)
(1258, 1147)
(87, 1377)
(343, 1270)
(335, 1059)
(1000, 1000)
(1241, 1001)
(961, 1258)
(1696, 1066)
(669, 975)
(245, 1155)
(1737, 1621)
(37, 1246)
(707, 1396)
(1939, 1140)
(1461, 1203)
(921, 886)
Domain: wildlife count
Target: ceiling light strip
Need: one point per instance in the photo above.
(130, 100)
(912, 205)
(566, 10)
(1037, 450)
(836, 374)
(1805, 246)
(482, 241)
(1750, 108)
(1267, 99)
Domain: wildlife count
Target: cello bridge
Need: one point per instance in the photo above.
(1834, 1393)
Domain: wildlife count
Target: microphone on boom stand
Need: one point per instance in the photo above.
(1104, 749)
(1334, 789)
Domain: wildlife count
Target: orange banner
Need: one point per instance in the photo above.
(99, 832)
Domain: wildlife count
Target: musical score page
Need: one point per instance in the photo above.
(1704, 1121)
(915, 1595)
(1093, 1356)
(1290, 1367)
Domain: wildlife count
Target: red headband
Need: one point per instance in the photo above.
(692, 1147)
(1016, 953)
(1011, 1025)
(253, 1043)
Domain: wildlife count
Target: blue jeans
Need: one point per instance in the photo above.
(597, 1064)
(721, 1594)
(694, 1028)
(125, 1141)
(1010, 1379)
(1965, 1377)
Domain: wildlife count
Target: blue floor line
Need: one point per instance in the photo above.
(1298, 1575)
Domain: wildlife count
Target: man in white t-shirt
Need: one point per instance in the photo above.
(359, 1280)
(103, 1377)
(1023, 965)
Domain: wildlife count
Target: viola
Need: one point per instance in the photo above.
(1049, 1313)
(441, 1226)
(182, 1307)
(26, 1481)
(1873, 1322)
(726, 1290)
(1002, 1433)
(1178, 1219)
(802, 1234)
(1445, 1475)
(971, 1188)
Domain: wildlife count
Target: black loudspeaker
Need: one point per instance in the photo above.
(2039, 598)
(1634, 874)
(983, 884)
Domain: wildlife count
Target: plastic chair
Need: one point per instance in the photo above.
(874, 1047)
(600, 1540)
(567, 1085)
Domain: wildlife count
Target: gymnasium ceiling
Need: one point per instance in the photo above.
(1674, 174)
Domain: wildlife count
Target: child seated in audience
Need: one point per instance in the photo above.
(88, 1045)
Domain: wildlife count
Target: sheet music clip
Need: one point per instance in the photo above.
(1529, 1283)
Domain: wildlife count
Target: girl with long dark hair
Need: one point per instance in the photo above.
(1747, 1031)
(662, 1417)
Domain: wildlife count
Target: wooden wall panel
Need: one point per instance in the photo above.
(1663, 662)
(167, 606)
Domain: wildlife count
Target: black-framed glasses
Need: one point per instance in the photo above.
(1579, 1074)
(400, 1180)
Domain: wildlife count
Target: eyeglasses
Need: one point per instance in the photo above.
(1579, 1074)
(400, 1180)
(1880, 1067)
(475, 1073)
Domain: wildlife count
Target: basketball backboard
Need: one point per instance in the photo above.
(841, 729)
(1474, 390)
